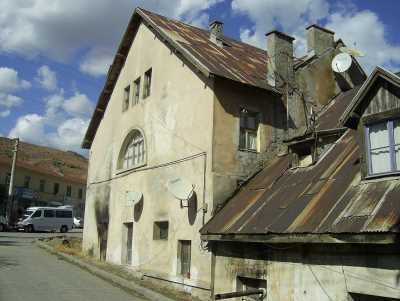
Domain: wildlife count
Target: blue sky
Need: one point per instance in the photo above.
(54, 54)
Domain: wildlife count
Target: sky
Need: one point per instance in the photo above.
(54, 54)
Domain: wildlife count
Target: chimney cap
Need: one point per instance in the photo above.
(281, 34)
(216, 22)
(320, 28)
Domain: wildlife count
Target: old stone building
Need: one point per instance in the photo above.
(326, 227)
(194, 107)
(43, 177)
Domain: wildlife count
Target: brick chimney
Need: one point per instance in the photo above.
(280, 59)
(216, 32)
(319, 39)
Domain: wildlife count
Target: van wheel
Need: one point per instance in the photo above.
(64, 229)
(29, 229)
(2, 228)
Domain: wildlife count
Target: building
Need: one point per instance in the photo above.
(189, 107)
(321, 225)
(44, 176)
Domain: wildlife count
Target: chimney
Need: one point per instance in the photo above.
(319, 39)
(216, 32)
(280, 59)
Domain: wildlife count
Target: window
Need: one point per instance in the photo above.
(80, 193)
(69, 191)
(56, 188)
(48, 213)
(383, 147)
(125, 104)
(134, 153)
(160, 230)
(63, 213)
(42, 185)
(147, 83)
(184, 254)
(136, 91)
(246, 284)
(248, 130)
(38, 213)
(27, 181)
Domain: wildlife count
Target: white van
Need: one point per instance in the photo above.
(46, 219)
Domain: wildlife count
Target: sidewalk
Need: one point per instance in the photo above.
(113, 275)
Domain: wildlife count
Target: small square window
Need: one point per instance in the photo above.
(136, 91)
(125, 104)
(160, 230)
(147, 83)
(249, 122)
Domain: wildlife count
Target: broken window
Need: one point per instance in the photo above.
(160, 230)
(136, 91)
(247, 284)
(249, 122)
(134, 152)
(147, 83)
(125, 104)
(184, 254)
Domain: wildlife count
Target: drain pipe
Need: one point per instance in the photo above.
(249, 292)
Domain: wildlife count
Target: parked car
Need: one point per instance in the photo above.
(46, 219)
(78, 222)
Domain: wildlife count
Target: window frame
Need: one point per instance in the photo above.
(56, 190)
(126, 98)
(394, 166)
(42, 185)
(247, 130)
(147, 81)
(158, 228)
(121, 166)
(136, 91)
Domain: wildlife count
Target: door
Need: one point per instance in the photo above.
(129, 238)
(103, 232)
(184, 257)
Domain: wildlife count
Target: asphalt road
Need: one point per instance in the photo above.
(30, 273)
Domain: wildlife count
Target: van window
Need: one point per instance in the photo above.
(38, 213)
(49, 213)
(64, 214)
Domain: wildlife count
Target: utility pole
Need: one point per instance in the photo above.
(11, 186)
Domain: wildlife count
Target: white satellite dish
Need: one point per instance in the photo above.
(133, 197)
(351, 51)
(341, 62)
(180, 188)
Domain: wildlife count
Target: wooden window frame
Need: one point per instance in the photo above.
(136, 92)
(147, 83)
(184, 268)
(126, 98)
(246, 131)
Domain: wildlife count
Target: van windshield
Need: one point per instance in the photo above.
(28, 213)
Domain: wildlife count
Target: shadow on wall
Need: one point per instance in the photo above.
(101, 208)
(137, 210)
(192, 209)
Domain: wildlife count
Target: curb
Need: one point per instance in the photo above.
(113, 279)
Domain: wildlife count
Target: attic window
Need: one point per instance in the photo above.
(302, 155)
(383, 147)
(249, 122)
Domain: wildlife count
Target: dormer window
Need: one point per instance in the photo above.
(383, 147)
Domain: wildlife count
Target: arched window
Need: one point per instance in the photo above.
(133, 153)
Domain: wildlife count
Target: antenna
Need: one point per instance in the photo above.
(133, 197)
(341, 62)
(180, 188)
(352, 51)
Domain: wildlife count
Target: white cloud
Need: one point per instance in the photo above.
(96, 62)
(365, 31)
(78, 105)
(9, 101)
(10, 81)
(58, 29)
(30, 128)
(47, 78)
(69, 134)
(4, 114)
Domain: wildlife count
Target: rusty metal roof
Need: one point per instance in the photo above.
(328, 197)
(65, 165)
(236, 60)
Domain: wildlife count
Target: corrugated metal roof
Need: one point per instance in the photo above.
(325, 198)
(66, 165)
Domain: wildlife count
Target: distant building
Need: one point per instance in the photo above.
(44, 176)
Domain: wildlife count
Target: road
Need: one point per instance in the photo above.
(30, 273)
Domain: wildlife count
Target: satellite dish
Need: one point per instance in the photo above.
(341, 62)
(352, 51)
(133, 197)
(180, 188)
